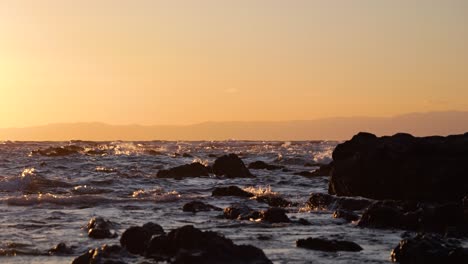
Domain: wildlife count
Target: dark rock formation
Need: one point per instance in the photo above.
(231, 191)
(105, 254)
(61, 250)
(189, 170)
(328, 245)
(197, 206)
(231, 166)
(99, 228)
(274, 215)
(190, 245)
(58, 151)
(273, 200)
(135, 239)
(346, 215)
(429, 249)
(323, 201)
(240, 212)
(261, 165)
(401, 167)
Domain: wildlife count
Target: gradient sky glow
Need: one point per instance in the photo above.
(182, 62)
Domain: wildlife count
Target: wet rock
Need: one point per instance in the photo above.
(346, 215)
(240, 212)
(197, 206)
(303, 221)
(273, 200)
(99, 228)
(103, 255)
(230, 191)
(135, 239)
(187, 155)
(323, 201)
(190, 170)
(191, 245)
(401, 167)
(305, 174)
(261, 165)
(58, 151)
(231, 166)
(328, 245)
(429, 249)
(324, 170)
(274, 215)
(61, 250)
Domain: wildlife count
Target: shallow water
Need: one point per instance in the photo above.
(46, 200)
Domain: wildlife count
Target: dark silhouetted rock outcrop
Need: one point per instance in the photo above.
(323, 201)
(99, 228)
(349, 216)
(231, 166)
(240, 212)
(231, 191)
(401, 167)
(105, 254)
(58, 151)
(261, 165)
(197, 206)
(274, 215)
(190, 170)
(429, 249)
(61, 250)
(135, 239)
(328, 245)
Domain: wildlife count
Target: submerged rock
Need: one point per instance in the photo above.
(197, 206)
(273, 200)
(103, 255)
(429, 249)
(99, 228)
(189, 170)
(323, 201)
(61, 250)
(274, 215)
(231, 191)
(261, 165)
(231, 166)
(191, 245)
(58, 151)
(135, 239)
(349, 216)
(328, 245)
(401, 167)
(240, 212)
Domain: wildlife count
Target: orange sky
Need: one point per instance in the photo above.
(182, 62)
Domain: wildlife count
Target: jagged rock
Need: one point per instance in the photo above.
(401, 167)
(261, 165)
(190, 170)
(231, 191)
(197, 206)
(135, 239)
(231, 166)
(191, 245)
(274, 215)
(99, 228)
(328, 245)
(429, 249)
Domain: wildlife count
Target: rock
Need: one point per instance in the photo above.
(61, 250)
(273, 200)
(429, 249)
(240, 212)
(58, 151)
(328, 245)
(99, 228)
(346, 215)
(190, 170)
(135, 239)
(261, 165)
(274, 215)
(191, 245)
(187, 155)
(197, 206)
(305, 174)
(401, 167)
(103, 255)
(323, 201)
(231, 166)
(231, 191)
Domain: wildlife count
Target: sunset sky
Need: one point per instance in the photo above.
(182, 62)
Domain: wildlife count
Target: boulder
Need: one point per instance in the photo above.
(328, 245)
(195, 169)
(231, 166)
(105, 255)
(61, 250)
(323, 201)
(349, 216)
(58, 151)
(273, 200)
(401, 167)
(135, 239)
(240, 212)
(323, 170)
(274, 215)
(231, 191)
(99, 228)
(429, 249)
(188, 244)
(261, 165)
(197, 206)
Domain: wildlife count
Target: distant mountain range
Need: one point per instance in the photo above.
(420, 124)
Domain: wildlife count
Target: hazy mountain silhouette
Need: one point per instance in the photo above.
(420, 124)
